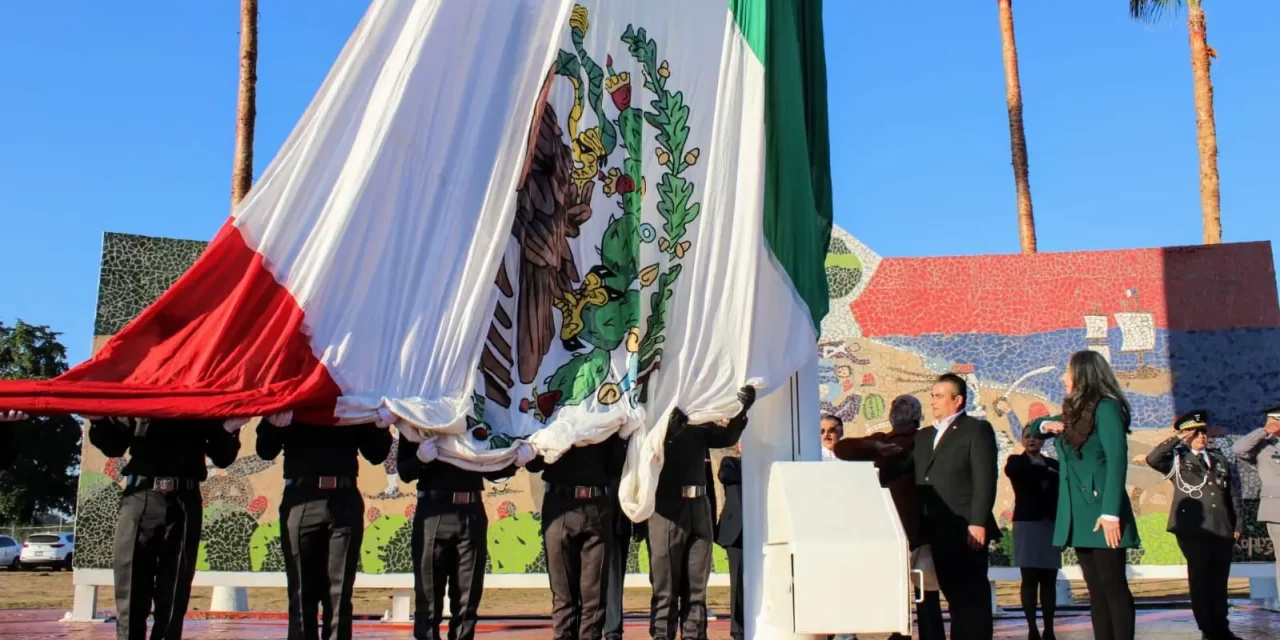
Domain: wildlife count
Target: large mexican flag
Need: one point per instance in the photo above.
(505, 220)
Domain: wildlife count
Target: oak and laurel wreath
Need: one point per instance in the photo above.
(670, 116)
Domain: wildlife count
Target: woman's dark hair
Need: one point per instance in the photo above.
(1091, 380)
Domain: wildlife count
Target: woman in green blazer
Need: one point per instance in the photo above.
(1094, 514)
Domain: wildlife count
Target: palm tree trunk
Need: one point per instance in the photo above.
(1206, 130)
(246, 103)
(1017, 133)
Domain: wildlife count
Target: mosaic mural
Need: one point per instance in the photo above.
(135, 271)
(1184, 328)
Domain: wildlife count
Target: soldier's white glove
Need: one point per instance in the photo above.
(525, 453)
(282, 419)
(12, 416)
(233, 425)
(385, 417)
(427, 451)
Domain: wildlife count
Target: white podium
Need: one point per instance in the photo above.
(835, 554)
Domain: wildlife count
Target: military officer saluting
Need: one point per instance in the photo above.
(321, 516)
(578, 534)
(682, 527)
(1261, 448)
(450, 543)
(157, 534)
(1206, 517)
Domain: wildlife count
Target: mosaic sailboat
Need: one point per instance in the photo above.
(1138, 336)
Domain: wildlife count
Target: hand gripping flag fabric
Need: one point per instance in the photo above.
(511, 220)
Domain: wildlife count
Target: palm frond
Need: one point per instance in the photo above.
(1154, 10)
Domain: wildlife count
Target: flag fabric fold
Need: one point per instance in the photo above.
(506, 221)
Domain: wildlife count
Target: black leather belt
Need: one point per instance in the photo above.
(163, 484)
(453, 497)
(321, 482)
(693, 491)
(577, 492)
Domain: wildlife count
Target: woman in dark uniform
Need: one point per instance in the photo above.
(1035, 489)
(321, 516)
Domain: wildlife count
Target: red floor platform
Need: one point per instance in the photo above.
(25, 624)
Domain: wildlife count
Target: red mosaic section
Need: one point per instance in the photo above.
(1187, 288)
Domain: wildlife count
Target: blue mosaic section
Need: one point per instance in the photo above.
(1234, 374)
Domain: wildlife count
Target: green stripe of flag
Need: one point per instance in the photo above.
(786, 35)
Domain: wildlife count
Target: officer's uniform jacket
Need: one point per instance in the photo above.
(1205, 499)
(1262, 450)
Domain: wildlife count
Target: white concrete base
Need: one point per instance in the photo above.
(233, 599)
(1264, 588)
(1063, 593)
(85, 606)
(401, 606)
(766, 631)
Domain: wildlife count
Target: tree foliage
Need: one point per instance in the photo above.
(42, 478)
(1152, 10)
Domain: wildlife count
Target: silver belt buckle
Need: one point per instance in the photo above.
(164, 485)
(327, 482)
(461, 497)
(583, 493)
(689, 491)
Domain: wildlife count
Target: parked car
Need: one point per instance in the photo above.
(9, 552)
(48, 550)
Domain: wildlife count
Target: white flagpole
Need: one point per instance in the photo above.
(783, 427)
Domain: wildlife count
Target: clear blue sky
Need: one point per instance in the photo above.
(120, 117)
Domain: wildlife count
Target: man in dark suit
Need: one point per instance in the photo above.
(955, 469)
(729, 536)
(1206, 517)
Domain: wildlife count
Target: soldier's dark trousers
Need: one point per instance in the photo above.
(320, 534)
(679, 567)
(1208, 570)
(737, 614)
(614, 586)
(157, 540)
(577, 536)
(449, 552)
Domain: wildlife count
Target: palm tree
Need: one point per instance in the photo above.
(246, 109)
(1017, 134)
(1206, 130)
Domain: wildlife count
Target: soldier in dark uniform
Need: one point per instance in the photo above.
(449, 542)
(624, 531)
(681, 528)
(1205, 517)
(729, 536)
(321, 516)
(157, 534)
(577, 534)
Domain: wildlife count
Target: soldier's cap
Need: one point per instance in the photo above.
(1198, 419)
(1274, 413)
